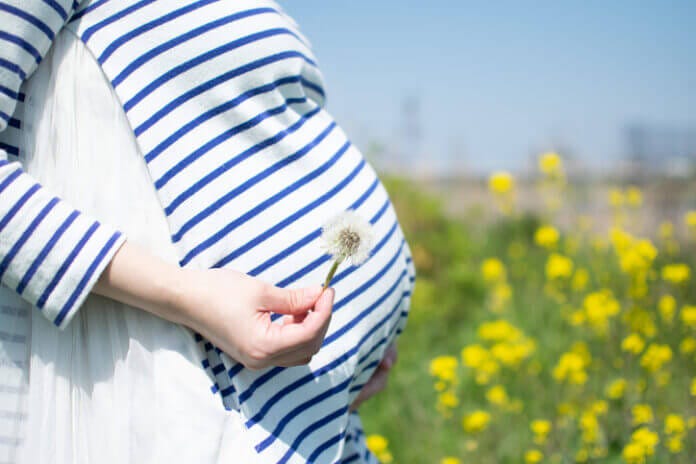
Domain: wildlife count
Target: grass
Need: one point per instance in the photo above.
(452, 300)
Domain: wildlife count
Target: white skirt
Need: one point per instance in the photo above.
(118, 385)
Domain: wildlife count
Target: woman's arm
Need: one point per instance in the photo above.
(229, 308)
(50, 253)
(53, 255)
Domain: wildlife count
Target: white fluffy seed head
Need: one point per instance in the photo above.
(348, 236)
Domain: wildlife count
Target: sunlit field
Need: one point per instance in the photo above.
(530, 342)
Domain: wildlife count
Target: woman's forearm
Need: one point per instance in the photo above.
(138, 278)
(229, 308)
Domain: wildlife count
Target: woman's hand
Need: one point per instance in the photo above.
(379, 378)
(229, 308)
(233, 311)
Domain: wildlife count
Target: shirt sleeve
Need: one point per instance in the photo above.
(50, 253)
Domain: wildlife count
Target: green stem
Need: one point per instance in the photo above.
(332, 272)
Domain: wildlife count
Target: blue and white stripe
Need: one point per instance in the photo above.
(49, 253)
(226, 102)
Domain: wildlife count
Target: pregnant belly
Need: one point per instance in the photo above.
(303, 407)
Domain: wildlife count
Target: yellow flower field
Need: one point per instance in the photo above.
(533, 343)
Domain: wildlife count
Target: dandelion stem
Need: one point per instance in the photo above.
(332, 272)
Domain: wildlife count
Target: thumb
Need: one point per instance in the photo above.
(290, 301)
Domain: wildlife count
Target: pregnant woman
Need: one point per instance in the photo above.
(166, 167)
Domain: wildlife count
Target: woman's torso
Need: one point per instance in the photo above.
(226, 104)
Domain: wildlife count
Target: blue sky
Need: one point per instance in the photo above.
(500, 80)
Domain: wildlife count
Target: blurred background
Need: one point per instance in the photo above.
(542, 157)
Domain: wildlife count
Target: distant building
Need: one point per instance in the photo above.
(655, 150)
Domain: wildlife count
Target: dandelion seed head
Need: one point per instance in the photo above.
(348, 236)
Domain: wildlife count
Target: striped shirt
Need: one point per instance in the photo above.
(226, 103)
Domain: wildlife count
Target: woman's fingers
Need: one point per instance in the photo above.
(289, 301)
(297, 338)
(378, 381)
(391, 355)
(376, 384)
(311, 330)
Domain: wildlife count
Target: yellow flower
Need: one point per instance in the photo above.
(634, 197)
(476, 422)
(580, 280)
(647, 439)
(674, 424)
(540, 428)
(674, 444)
(501, 183)
(655, 356)
(667, 306)
(444, 367)
(600, 407)
(690, 219)
(478, 358)
(570, 368)
(376, 443)
(688, 345)
(533, 456)
(512, 354)
(474, 356)
(590, 427)
(641, 321)
(566, 409)
(551, 164)
(676, 273)
(502, 294)
(638, 258)
(497, 395)
(447, 400)
(599, 308)
(577, 318)
(499, 331)
(616, 198)
(546, 237)
(450, 460)
(693, 386)
(493, 270)
(616, 389)
(582, 350)
(559, 267)
(635, 256)
(688, 316)
(485, 371)
(633, 453)
(642, 414)
(633, 344)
